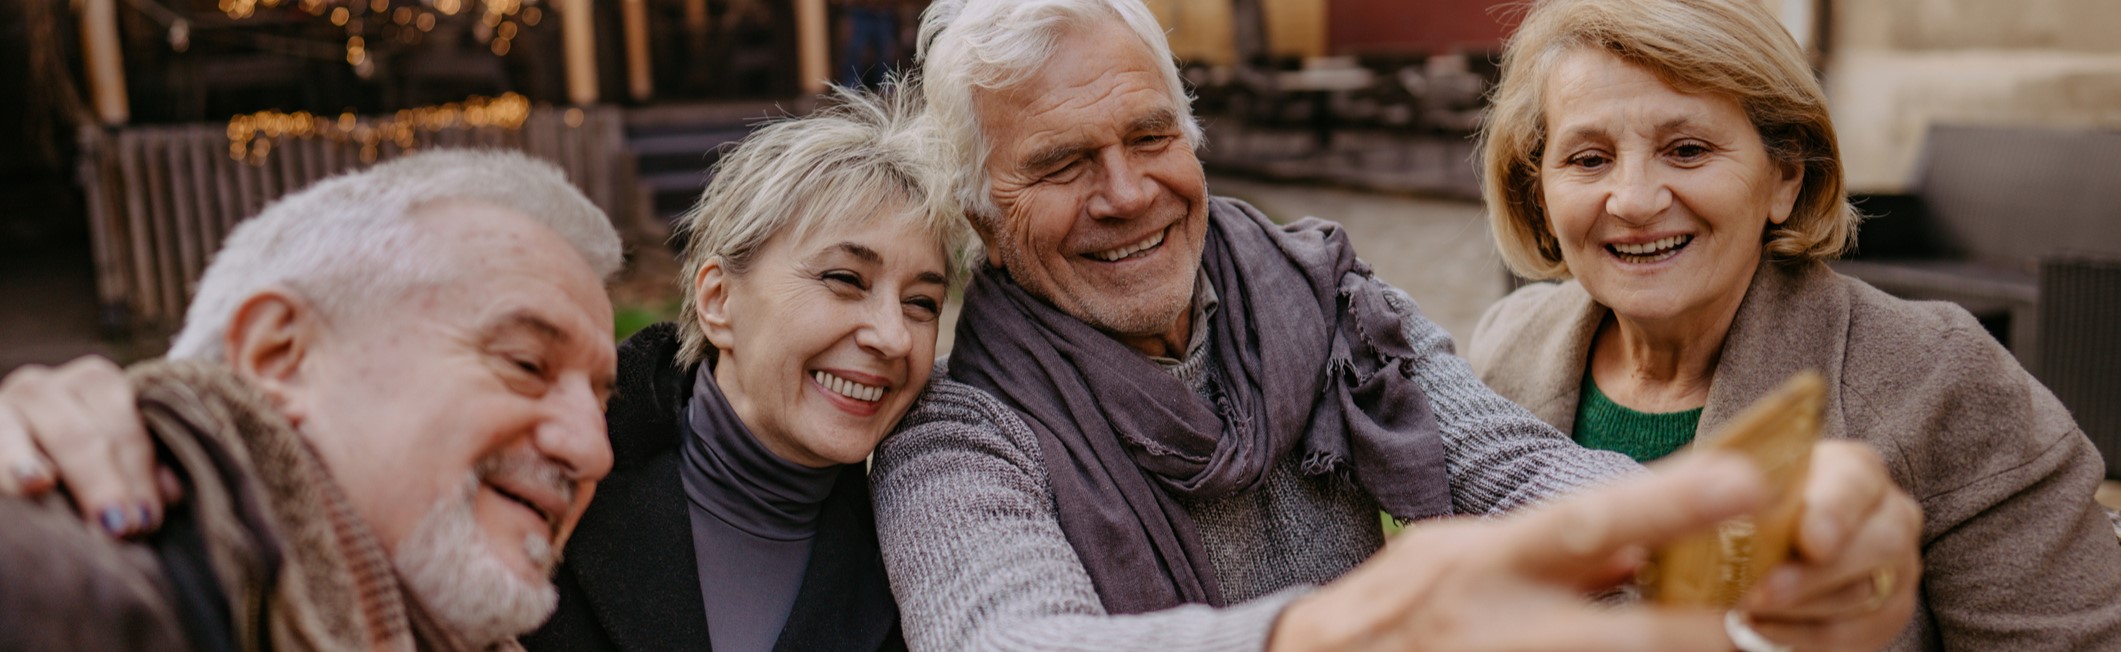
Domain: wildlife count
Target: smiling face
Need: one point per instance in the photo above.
(1658, 198)
(1104, 207)
(465, 419)
(823, 343)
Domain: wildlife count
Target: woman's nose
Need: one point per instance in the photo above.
(885, 334)
(1639, 194)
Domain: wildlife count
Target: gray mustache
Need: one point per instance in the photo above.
(527, 469)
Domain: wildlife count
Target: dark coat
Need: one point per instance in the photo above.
(629, 580)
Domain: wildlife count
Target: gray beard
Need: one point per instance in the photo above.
(446, 564)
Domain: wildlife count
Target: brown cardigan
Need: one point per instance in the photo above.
(264, 552)
(2016, 554)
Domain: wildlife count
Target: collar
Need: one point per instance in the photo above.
(733, 477)
(337, 588)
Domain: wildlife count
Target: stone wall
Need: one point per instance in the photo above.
(1894, 67)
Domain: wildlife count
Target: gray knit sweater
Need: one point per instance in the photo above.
(978, 561)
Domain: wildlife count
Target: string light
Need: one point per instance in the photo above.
(499, 22)
(251, 137)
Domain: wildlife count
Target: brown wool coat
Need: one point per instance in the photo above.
(2016, 554)
(278, 536)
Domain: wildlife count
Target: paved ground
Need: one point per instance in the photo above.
(1436, 250)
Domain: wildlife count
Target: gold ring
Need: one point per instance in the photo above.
(1881, 589)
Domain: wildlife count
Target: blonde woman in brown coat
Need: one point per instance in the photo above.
(1672, 163)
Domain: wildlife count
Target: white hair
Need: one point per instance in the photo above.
(350, 240)
(863, 156)
(994, 44)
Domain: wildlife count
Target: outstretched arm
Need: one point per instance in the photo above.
(1499, 455)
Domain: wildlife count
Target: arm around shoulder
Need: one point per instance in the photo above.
(1500, 456)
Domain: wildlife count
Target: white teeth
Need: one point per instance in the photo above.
(1660, 246)
(848, 388)
(1129, 250)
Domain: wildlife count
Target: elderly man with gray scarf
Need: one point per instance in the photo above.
(384, 414)
(1170, 423)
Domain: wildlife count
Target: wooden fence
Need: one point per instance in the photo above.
(162, 197)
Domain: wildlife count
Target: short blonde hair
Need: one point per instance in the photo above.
(1729, 48)
(860, 157)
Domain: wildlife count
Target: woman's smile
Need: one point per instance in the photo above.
(854, 397)
(1644, 252)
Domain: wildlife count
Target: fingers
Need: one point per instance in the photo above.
(1584, 533)
(1626, 629)
(1888, 540)
(23, 470)
(1829, 600)
(1871, 630)
(1846, 486)
(82, 417)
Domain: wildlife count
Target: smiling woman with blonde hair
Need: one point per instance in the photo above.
(1673, 164)
(737, 514)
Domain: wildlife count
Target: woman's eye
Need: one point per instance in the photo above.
(924, 308)
(530, 367)
(849, 280)
(1690, 151)
(1589, 161)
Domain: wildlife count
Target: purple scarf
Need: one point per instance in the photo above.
(1308, 354)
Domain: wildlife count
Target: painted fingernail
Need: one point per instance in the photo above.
(147, 517)
(28, 471)
(114, 520)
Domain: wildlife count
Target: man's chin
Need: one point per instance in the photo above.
(1146, 313)
(481, 592)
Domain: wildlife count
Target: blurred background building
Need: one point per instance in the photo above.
(1985, 136)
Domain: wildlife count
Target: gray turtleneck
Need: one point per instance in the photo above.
(754, 516)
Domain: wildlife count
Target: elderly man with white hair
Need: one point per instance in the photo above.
(1170, 423)
(384, 412)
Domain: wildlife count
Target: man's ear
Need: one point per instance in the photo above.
(269, 338)
(710, 293)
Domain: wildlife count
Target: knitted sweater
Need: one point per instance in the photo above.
(1644, 436)
(977, 559)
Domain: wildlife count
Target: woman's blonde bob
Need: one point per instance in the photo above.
(1728, 48)
(859, 158)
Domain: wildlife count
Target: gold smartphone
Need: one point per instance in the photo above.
(1715, 569)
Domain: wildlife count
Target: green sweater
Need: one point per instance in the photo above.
(1605, 425)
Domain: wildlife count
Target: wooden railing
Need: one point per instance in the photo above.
(161, 198)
